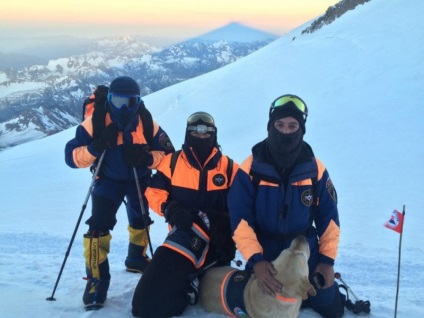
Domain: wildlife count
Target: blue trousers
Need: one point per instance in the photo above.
(108, 195)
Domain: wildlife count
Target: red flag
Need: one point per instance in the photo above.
(396, 222)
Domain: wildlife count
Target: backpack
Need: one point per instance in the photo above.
(176, 154)
(93, 105)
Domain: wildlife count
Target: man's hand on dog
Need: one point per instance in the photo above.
(265, 273)
(327, 272)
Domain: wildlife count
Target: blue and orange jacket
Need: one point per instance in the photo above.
(264, 216)
(192, 185)
(80, 154)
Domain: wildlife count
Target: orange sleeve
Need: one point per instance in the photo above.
(156, 197)
(329, 241)
(246, 240)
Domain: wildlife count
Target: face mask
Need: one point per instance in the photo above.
(284, 148)
(201, 146)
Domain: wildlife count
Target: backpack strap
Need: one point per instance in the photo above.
(229, 170)
(87, 101)
(173, 162)
(147, 120)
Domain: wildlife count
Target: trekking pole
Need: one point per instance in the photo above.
(143, 210)
(77, 225)
(359, 306)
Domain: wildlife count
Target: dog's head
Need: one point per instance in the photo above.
(293, 271)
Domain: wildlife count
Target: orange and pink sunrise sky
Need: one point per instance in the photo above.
(166, 18)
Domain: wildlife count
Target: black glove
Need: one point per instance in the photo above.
(107, 139)
(136, 155)
(179, 216)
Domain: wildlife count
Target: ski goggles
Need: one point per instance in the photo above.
(201, 129)
(200, 116)
(120, 101)
(289, 100)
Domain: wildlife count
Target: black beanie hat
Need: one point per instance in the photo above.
(124, 85)
(288, 110)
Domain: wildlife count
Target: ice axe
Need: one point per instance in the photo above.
(360, 306)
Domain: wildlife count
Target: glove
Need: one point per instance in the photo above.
(136, 155)
(327, 272)
(265, 273)
(107, 139)
(178, 216)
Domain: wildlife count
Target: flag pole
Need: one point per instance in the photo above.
(399, 256)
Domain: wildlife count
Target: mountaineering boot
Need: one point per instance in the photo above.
(137, 260)
(96, 248)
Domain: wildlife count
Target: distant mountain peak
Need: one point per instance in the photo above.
(235, 32)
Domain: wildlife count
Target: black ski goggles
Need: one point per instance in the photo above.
(200, 116)
(287, 101)
(119, 101)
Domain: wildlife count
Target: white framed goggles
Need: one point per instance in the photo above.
(119, 101)
(201, 129)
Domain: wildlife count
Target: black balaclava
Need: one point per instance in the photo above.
(285, 148)
(123, 85)
(202, 147)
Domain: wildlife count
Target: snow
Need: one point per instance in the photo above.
(362, 78)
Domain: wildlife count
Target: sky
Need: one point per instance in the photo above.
(364, 94)
(162, 18)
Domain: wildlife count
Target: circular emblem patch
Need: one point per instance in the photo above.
(240, 276)
(195, 243)
(218, 180)
(307, 197)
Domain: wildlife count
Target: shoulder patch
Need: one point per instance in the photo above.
(331, 190)
(166, 142)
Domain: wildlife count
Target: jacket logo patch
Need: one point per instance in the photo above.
(307, 197)
(240, 276)
(218, 180)
(166, 142)
(331, 190)
(195, 243)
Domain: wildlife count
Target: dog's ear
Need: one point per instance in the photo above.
(306, 288)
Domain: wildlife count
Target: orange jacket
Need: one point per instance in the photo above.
(192, 185)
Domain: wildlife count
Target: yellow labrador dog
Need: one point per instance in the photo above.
(230, 292)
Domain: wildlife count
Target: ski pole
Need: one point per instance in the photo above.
(77, 225)
(360, 306)
(143, 210)
(339, 277)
